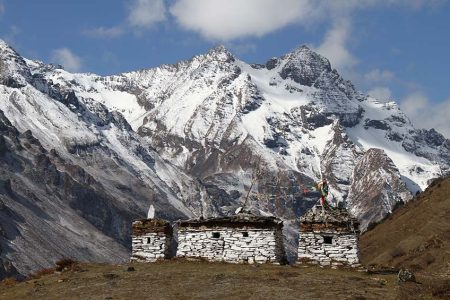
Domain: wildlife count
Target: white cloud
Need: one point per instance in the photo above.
(414, 103)
(104, 32)
(380, 93)
(67, 59)
(425, 114)
(2, 8)
(232, 19)
(334, 46)
(378, 75)
(146, 13)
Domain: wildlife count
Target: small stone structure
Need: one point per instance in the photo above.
(242, 238)
(151, 240)
(328, 237)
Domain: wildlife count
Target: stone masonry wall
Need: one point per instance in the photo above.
(343, 249)
(233, 245)
(150, 247)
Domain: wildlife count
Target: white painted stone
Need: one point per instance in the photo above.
(344, 248)
(261, 245)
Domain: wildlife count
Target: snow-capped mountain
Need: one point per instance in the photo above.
(190, 138)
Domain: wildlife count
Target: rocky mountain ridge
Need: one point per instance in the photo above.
(190, 138)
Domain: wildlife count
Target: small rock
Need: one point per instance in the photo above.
(130, 269)
(405, 275)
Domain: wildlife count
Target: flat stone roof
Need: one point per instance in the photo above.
(317, 218)
(143, 226)
(236, 221)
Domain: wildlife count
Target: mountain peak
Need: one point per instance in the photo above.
(3, 44)
(303, 47)
(302, 65)
(220, 53)
(13, 68)
(305, 54)
(220, 48)
(5, 47)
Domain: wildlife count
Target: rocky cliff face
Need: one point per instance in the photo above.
(376, 189)
(190, 138)
(74, 174)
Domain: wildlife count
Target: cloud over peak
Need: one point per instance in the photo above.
(146, 13)
(426, 114)
(104, 32)
(334, 45)
(232, 19)
(67, 59)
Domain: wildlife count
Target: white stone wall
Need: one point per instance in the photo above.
(260, 246)
(342, 251)
(150, 247)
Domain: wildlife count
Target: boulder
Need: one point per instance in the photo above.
(405, 275)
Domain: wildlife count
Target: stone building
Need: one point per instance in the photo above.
(242, 238)
(328, 237)
(151, 240)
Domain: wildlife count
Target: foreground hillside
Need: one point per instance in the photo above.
(416, 235)
(199, 280)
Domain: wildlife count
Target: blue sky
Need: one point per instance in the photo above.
(392, 49)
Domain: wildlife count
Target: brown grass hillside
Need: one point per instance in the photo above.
(417, 235)
(179, 279)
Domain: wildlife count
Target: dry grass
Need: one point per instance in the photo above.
(441, 289)
(416, 236)
(180, 279)
(41, 273)
(201, 280)
(62, 265)
(9, 282)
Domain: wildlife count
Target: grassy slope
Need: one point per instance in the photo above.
(201, 280)
(416, 235)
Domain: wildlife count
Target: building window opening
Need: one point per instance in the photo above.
(148, 240)
(328, 240)
(216, 235)
(245, 234)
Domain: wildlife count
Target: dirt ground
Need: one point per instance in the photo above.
(203, 280)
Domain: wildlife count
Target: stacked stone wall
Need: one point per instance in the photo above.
(151, 240)
(343, 249)
(232, 245)
(150, 247)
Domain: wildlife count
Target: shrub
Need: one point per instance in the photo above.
(38, 274)
(46, 271)
(65, 264)
(397, 252)
(10, 281)
(429, 259)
